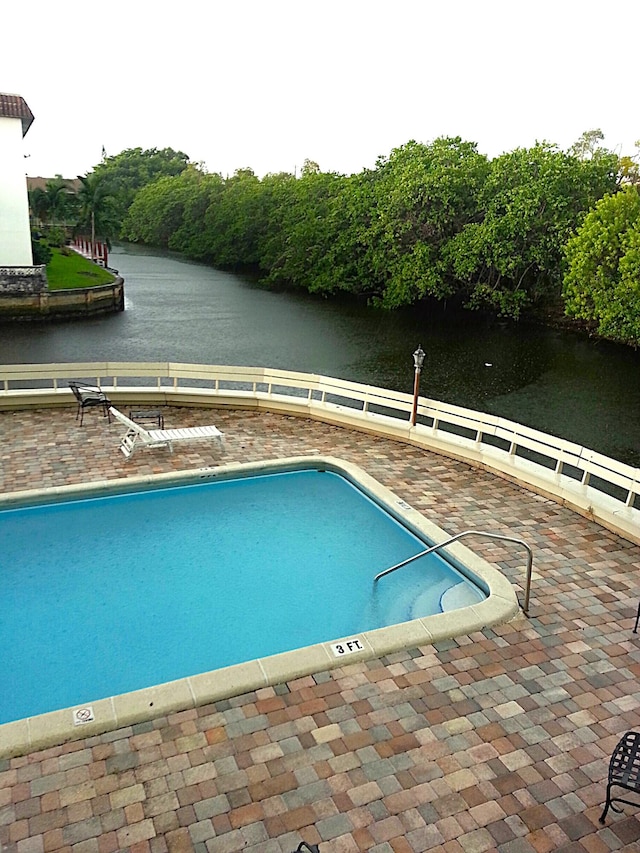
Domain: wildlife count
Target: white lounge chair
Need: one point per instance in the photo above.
(138, 436)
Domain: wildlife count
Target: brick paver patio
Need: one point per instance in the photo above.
(495, 741)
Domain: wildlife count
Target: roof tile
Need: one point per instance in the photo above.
(14, 106)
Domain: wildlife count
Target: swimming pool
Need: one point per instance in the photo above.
(126, 586)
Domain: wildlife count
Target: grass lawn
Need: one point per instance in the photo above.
(67, 271)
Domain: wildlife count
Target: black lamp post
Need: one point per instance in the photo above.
(418, 361)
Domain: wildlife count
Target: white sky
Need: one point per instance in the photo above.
(268, 83)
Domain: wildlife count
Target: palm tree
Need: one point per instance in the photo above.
(96, 213)
(58, 196)
(39, 205)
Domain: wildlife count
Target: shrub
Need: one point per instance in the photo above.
(56, 236)
(42, 254)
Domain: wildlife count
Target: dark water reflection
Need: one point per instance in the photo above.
(181, 311)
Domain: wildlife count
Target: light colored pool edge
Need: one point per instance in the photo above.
(58, 727)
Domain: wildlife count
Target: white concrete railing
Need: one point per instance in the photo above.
(596, 486)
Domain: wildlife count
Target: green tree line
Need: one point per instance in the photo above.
(514, 234)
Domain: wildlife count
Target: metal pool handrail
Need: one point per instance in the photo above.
(527, 591)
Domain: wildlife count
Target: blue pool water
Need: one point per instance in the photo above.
(110, 594)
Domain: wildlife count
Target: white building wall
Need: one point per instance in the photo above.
(15, 233)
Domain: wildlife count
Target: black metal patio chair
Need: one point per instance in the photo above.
(624, 772)
(89, 397)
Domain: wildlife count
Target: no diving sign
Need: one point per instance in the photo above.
(82, 716)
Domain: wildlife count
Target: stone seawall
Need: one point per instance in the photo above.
(31, 303)
(21, 280)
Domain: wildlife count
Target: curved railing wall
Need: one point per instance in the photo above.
(594, 485)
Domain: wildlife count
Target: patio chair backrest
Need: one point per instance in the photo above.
(76, 391)
(82, 393)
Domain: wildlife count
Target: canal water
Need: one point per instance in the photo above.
(176, 310)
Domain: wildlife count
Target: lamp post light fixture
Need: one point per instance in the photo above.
(418, 361)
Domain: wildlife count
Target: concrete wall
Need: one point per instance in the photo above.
(15, 234)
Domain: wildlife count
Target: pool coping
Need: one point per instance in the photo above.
(102, 715)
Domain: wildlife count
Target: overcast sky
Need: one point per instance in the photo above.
(267, 83)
